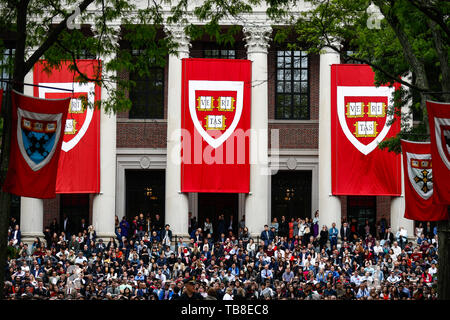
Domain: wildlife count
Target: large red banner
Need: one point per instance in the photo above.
(216, 107)
(79, 165)
(36, 138)
(418, 173)
(359, 122)
(439, 120)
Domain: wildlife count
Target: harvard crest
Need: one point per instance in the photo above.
(363, 116)
(420, 173)
(442, 135)
(37, 136)
(215, 108)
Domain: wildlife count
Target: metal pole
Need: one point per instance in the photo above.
(35, 85)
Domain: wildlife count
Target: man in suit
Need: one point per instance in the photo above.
(345, 232)
(83, 225)
(267, 235)
(283, 229)
(197, 236)
(221, 227)
(158, 224)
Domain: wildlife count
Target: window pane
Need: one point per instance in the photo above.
(304, 62)
(148, 95)
(287, 62)
(287, 74)
(304, 75)
(296, 100)
(287, 87)
(304, 100)
(304, 87)
(280, 75)
(292, 82)
(280, 62)
(279, 86)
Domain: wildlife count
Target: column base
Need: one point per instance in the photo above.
(105, 237)
(29, 237)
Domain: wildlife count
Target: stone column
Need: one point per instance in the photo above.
(31, 209)
(177, 203)
(257, 211)
(104, 203)
(329, 206)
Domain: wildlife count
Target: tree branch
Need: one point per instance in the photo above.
(433, 14)
(51, 39)
(442, 54)
(74, 60)
(417, 66)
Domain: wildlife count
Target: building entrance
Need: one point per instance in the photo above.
(145, 193)
(361, 214)
(291, 194)
(76, 207)
(212, 205)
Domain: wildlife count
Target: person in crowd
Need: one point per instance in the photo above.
(333, 234)
(152, 266)
(267, 235)
(315, 224)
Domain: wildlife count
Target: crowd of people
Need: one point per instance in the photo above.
(288, 260)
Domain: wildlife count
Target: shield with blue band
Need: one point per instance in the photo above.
(37, 136)
(38, 144)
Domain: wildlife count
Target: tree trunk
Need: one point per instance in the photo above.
(5, 198)
(443, 274)
(18, 77)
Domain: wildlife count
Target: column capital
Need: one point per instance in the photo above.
(179, 36)
(257, 38)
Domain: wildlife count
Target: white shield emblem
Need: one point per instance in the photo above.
(378, 134)
(420, 173)
(37, 136)
(234, 86)
(442, 134)
(76, 87)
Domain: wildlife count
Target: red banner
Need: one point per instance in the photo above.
(79, 165)
(359, 122)
(215, 126)
(439, 120)
(37, 131)
(418, 173)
